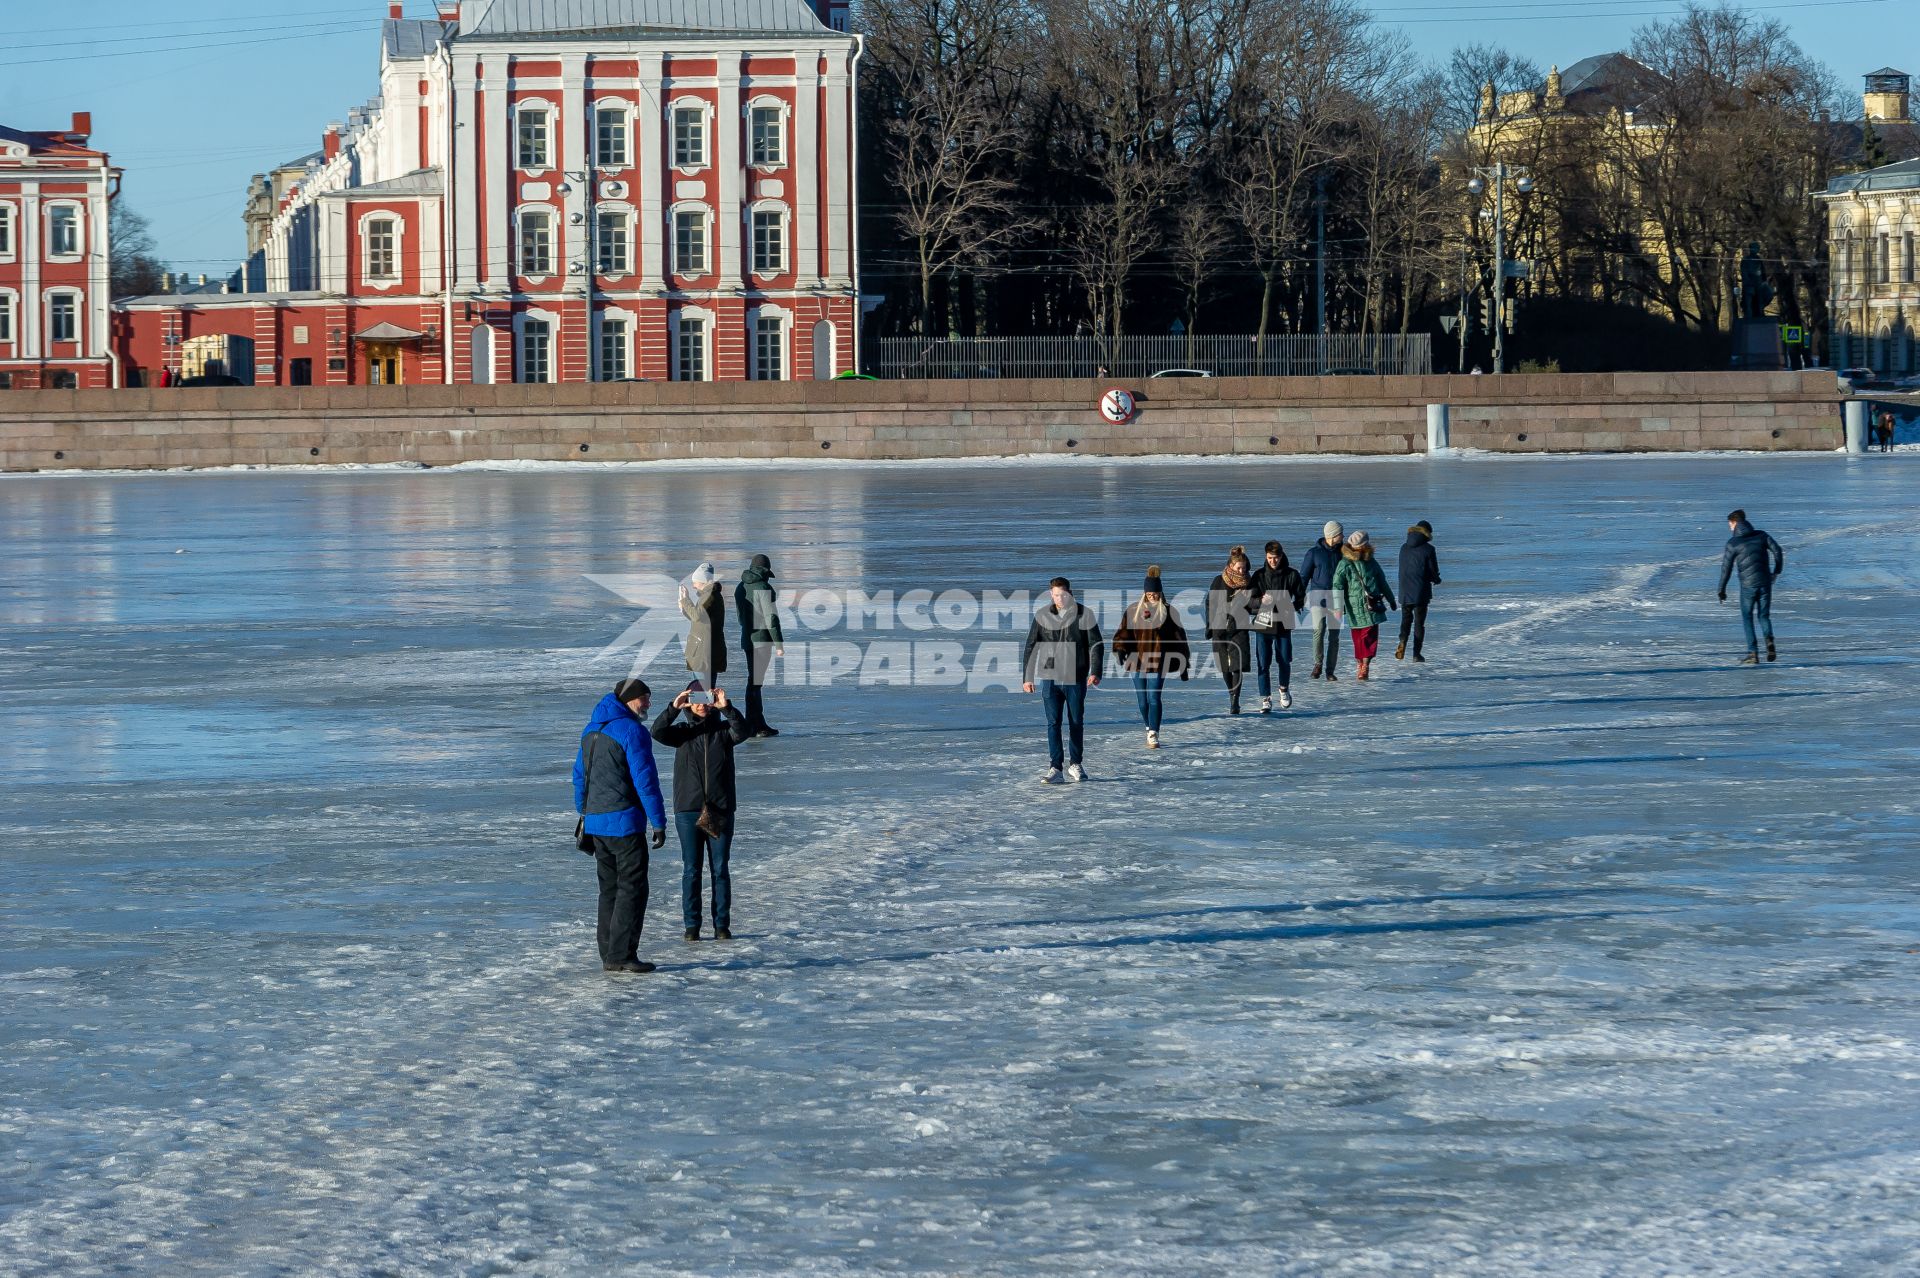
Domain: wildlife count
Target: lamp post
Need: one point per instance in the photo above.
(1523, 183)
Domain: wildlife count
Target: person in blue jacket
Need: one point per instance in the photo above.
(616, 791)
(1323, 558)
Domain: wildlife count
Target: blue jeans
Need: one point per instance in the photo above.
(696, 844)
(1269, 648)
(1072, 698)
(1757, 604)
(1147, 689)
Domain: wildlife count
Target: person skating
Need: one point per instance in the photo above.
(1364, 597)
(616, 791)
(706, 612)
(1323, 560)
(761, 639)
(1759, 559)
(1230, 621)
(1279, 593)
(1150, 645)
(1419, 574)
(704, 797)
(1064, 657)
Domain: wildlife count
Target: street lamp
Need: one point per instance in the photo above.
(1477, 185)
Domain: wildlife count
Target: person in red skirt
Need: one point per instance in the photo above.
(1361, 587)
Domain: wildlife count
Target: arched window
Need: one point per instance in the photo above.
(1882, 249)
(691, 235)
(612, 345)
(691, 118)
(767, 132)
(767, 232)
(692, 338)
(767, 343)
(823, 353)
(63, 231)
(613, 239)
(63, 316)
(482, 355)
(1907, 273)
(612, 134)
(535, 241)
(380, 249)
(534, 336)
(533, 134)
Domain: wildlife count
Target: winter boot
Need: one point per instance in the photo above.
(1266, 705)
(1364, 663)
(1233, 704)
(1769, 650)
(1315, 674)
(1052, 777)
(1751, 659)
(1332, 677)
(1400, 652)
(1153, 739)
(1286, 699)
(723, 934)
(691, 934)
(1076, 773)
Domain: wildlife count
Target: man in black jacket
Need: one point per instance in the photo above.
(760, 637)
(1419, 574)
(704, 797)
(1064, 657)
(1759, 559)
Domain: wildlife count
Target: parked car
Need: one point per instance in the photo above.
(1183, 372)
(1351, 372)
(211, 379)
(1854, 378)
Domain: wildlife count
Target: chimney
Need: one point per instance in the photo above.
(203, 280)
(394, 10)
(449, 10)
(82, 127)
(166, 281)
(330, 141)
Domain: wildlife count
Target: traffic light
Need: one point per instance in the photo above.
(1486, 313)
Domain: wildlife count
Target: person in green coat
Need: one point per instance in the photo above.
(760, 637)
(1362, 591)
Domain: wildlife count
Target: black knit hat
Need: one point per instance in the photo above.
(1425, 527)
(1152, 585)
(764, 564)
(631, 690)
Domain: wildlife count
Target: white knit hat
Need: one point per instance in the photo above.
(1332, 531)
(1356, 539)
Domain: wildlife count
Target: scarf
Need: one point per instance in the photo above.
(1236, 578)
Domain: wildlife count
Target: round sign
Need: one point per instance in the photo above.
(1117, 406)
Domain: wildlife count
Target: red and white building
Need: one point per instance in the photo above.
(54, 252)
(557, 191)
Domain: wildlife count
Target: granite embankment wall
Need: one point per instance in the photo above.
(441, 425)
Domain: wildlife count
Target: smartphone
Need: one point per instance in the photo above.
(701, 698)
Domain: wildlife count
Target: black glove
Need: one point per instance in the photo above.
(657, 837)
(1723, 596)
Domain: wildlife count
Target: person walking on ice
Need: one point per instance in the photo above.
(1278, 595)
(1150, 645)
(1229, 622)
(1364, 597)
(1322, 561)
(1759, 559)
(1419, 574)
(761, 639)
(1064, 657)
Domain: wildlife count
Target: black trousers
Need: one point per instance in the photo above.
(759, 661)
(1413, 621)
(1231, 655)
(623, 894)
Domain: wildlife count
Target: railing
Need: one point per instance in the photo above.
(985, 358)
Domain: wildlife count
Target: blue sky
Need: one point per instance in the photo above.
(192, 97)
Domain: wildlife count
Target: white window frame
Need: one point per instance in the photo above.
(703, 320)
(783, 115)
(704, 109)
(783, 319)
(551, 216)
(783, 221)
(9, 317)
(627, 323)
(624, 109)
(79, 302)
(544, 109)
(9, 230)
(79, 249)
(520, 323)
(367, 273)
(705, 214)
(624, 215)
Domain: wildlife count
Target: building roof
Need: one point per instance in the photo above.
(561, 18)
(1610, 80)
(1875, 75)
(54, 142)
(411, 38)
(1904, 176)
(418, 182)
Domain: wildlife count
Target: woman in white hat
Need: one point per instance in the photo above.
(1364, 597)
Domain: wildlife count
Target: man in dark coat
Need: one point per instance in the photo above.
(1065, 655)
(1419, 574)
(1323, 559)
(760, 637)
(1759, 559)
(704, 797)
(617, 793)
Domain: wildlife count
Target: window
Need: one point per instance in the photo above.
(533, 137)
(1906, 257)
(610, 138)
(614, 243)
(690, 349)
(6, 317)
(769, 142)
(769, 242)
(6, 230)
(536, 350)
(63, 231)
(63, 318)
(613, 349)
(1882, 272)
(382, 260)
(1846, 258)
(689, 137)
(536, 242)
(62, 379)
(690, 242)
(6, 381)
(769, 349)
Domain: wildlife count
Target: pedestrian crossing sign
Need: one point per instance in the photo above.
(1793, 334)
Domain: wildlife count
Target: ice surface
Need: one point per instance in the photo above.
(1575, 950)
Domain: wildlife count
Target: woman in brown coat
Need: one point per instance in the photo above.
(1150, 645)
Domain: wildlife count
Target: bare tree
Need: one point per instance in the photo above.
(133, 270)
(1198, 241)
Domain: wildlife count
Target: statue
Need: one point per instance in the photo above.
(1756, 295)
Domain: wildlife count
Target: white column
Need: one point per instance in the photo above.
(649, 122)
(729, 166)
(461, 174)
(838, 205)
(99, 280)
(572, 139)
(500, 175)
(29, 347)
(806, 169)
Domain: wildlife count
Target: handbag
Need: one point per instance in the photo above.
(581, 839)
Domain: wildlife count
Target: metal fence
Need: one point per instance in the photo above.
(1309, 355)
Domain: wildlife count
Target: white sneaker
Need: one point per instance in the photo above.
(1266, 705)
(1286, 699)
(1075, 772)
(1153, 739)
(1052, 777)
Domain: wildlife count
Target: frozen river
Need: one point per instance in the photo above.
(1576, 950)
